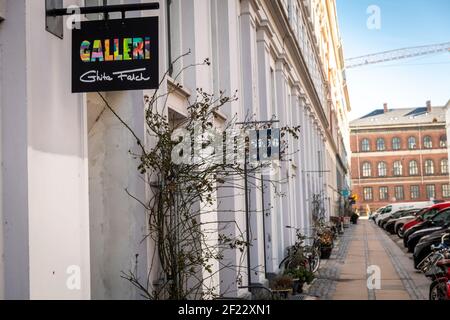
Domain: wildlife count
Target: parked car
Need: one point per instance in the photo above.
(374, 214)
(392, 208)
(424, 216)
(423, 248)
(382, 222)
(403, 220)
(410, 238)
(416, 236)
(390, 224)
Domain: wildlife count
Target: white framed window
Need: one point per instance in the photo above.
(446, 190)
(429, 167)
(366, 170)
(384, 194)
(415, 192)
(382, 169)
(431, 191)
(398, 168)
(368, 196)
(399, 193)
(444, 166)
(413, 168)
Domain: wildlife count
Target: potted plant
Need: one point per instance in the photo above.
(282, 285)
(300, 277)
(326, 245)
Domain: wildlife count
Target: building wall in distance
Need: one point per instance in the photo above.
(436, 153)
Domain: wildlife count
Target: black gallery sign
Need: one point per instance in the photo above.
(115, 55)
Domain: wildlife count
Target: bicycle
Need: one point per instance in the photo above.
(302, 255)
(439, 252)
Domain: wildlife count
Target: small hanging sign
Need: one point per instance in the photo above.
(115, 55)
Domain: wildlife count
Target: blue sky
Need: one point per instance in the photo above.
(404, 23)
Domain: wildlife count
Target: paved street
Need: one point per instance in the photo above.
(344, 275)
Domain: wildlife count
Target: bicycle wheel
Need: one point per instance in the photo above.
(314, 260)
(438, 290)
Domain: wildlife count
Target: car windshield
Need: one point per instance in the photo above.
(409, 213)
(420, 212)
(398, 214)
(441, 217)
(431, 213)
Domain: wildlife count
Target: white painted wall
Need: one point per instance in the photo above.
(117, 222)
(2, 252)
(45, 188)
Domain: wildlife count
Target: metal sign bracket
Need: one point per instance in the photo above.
(54, 24)
(54, 13)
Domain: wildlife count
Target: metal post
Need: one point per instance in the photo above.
(105, 13)
(247, 218)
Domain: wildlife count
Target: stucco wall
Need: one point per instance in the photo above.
(44, 161)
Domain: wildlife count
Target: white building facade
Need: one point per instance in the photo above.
(69, 229)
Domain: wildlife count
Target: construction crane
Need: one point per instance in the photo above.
(397, 54)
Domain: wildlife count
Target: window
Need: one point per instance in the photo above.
(429, 167)
(444, 166)
(367, 169)
(427, 142)
(442, 218)
(431, 191)
(412, 143)
(396, 144)
(399, 194)
(415, 192)
(368, 194)
(382, 169)
(381, 146)
(443, 141)
(413, 168)
(446, 190)
(174, 34)
(398, 168)
(365, 145)
(384, 195)
(100, 16)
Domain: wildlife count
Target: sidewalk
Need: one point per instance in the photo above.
(366, 249)
(344, 275)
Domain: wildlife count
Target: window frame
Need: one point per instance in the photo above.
(396, 141)
(443, 141)
(427, 191)
(396, 189)
(446, 194)
(444, 172)
(379, 144)
(369, 193)
(429, 170)
(427, 142)
(416, 168)
(363, 144)
(382, 168)
(416, 187)
(364, 169)
(409, 143)
(397, 165)
(386, 193)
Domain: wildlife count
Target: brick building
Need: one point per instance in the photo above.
(399, 155)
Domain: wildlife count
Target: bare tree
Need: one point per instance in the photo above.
(182, 211)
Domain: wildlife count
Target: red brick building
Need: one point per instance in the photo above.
(399, 155)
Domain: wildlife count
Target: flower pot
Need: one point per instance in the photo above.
(297, 286)
(325, 252)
